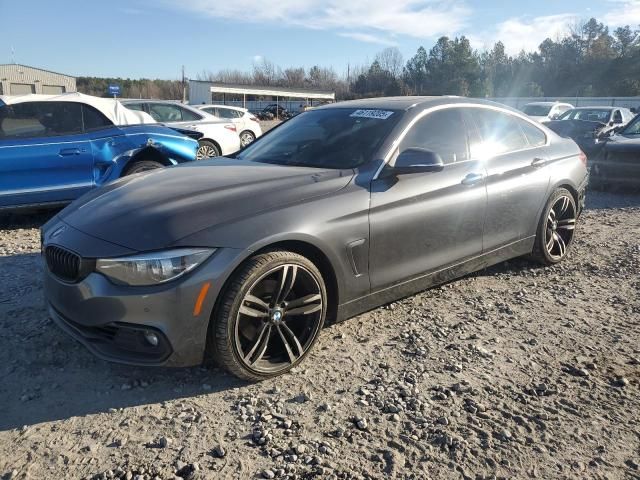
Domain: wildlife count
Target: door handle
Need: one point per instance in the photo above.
(66, 152)
(472, 178)
(538, 162)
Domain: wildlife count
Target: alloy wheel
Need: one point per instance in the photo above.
(560, 227)
(246, 138)
(206, 151)
(278, 319)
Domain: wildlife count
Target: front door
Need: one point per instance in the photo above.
(44, 155)
(420, 223)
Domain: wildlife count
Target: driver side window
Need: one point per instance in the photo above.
(443, 132)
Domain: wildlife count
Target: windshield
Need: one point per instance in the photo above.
(592, 115)
(537, 110)
(634, 127)
(332, 138)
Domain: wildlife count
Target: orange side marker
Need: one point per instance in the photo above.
(201, 296)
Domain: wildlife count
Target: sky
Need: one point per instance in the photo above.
(154, 38)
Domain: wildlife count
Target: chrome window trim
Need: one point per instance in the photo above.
(427, 111)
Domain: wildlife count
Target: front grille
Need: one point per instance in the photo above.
(63, 263)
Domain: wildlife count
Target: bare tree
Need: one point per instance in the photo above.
(390, 59)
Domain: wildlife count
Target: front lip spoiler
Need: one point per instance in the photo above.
(74, 332)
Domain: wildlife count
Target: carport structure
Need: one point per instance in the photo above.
(242, 91)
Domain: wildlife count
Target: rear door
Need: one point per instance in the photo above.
(420, 223)
(44, 154)
(516, 158)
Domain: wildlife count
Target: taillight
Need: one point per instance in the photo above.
(583, 158)
(231, 127)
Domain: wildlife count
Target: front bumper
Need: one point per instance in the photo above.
(112, 320)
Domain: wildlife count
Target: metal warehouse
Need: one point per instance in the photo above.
(20, 80)
(246, 95)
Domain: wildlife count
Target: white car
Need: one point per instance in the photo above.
(545, 111)
(220, 137)
(246, 123)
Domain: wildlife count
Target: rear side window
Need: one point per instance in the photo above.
(535, 136)
(500, 133)
(442, 132)
(135, 106)
(40, 119)
(188, 115)
(226, 113)
(93, 119)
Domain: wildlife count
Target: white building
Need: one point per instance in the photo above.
(20, 80)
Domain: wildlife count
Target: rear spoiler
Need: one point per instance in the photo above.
(188, 133)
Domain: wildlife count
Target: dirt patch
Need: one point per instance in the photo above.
(514, 372)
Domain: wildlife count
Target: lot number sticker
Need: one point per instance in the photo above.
(379, 114)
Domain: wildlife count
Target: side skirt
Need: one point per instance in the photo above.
(415, 285)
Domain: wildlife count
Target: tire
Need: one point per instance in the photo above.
(246, 138)
(142, 166)
(556, 228)
(206, 150)
(248, 337)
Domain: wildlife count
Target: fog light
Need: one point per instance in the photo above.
(151, 338)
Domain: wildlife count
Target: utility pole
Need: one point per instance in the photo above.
(184, 87)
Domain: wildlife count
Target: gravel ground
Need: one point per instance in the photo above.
(515, 372)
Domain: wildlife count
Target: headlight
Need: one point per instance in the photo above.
(152, 268)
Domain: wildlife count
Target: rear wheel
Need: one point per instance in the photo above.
(269, 316)
(142, 166)
(206, 150)
(246, 138)
(556, 228)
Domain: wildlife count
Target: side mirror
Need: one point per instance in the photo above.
(555, 116)
(417, 160)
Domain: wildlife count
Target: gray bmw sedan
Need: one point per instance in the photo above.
(332, 213)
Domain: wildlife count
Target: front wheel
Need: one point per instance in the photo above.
(269, 316)
(206, 150)
(142, 166)
(556, 228)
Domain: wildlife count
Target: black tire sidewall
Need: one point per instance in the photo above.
(224, 349)
(135, 165)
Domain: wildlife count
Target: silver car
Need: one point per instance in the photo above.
(332, 213)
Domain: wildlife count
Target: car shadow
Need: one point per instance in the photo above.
(25, 219)
(47, 376)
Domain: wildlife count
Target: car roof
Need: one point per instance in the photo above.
(408, 102)
(547, 103)
(110, 108)
(596, 107)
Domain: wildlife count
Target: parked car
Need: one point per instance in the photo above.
(218, 137)
(339, 210)
(544, 111)
(619, 161)
(588, 126)
(54, 148)
(246, 123)
(272, 111)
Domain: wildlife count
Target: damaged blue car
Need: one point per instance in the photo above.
(55, 148)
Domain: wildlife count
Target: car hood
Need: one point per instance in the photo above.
(153, 210)
(623, 143)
